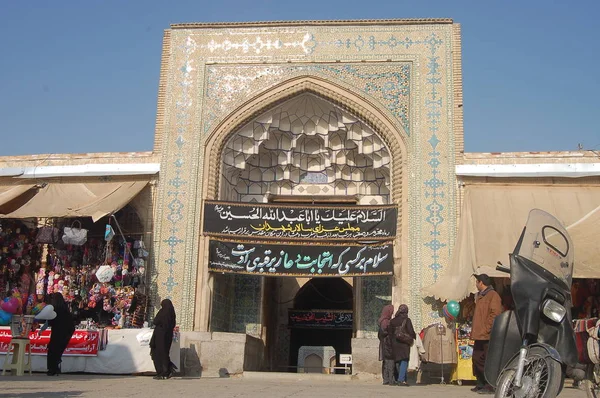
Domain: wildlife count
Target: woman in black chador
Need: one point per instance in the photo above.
(63, 327)
(162, 337)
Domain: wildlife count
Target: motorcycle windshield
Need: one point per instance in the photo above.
(547, 243)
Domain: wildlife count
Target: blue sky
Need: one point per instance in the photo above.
(82, 76)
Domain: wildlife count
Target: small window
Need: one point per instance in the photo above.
(313, 178)
(556, 240)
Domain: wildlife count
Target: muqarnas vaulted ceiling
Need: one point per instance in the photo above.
(307, 145)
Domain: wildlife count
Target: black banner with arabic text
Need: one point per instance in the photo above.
(320, 319)
(267, 221)
(300, 260)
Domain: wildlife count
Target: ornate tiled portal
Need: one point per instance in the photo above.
(399, 80)
(304, 146)
(303, 142)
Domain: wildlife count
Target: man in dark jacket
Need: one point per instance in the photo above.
(488, 305)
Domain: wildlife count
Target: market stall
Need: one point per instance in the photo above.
(115, 351)
(102, 279)
(440, 353)
(585, 294)
(492, 218)
(85, 241)
(463, 370)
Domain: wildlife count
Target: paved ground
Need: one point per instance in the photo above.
(40, 385)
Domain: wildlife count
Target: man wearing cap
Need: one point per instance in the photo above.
(488, 305)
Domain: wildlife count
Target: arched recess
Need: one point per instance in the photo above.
(372, 114)
(322, 294)
(369, 113)
(330, 293)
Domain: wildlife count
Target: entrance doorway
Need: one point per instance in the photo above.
(305, 150)
(321, 295)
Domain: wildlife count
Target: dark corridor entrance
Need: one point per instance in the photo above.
(322, 294)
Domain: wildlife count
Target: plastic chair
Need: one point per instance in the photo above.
(19, 347)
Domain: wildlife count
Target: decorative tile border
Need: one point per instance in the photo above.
(228, 87)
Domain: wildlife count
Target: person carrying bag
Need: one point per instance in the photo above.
(401, 328)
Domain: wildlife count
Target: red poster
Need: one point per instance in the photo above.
(83, 342)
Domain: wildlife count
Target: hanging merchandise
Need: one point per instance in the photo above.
(48, 234)
(19, 257)
(75, 235)
(98, 279)
(109, 233)
(105, 273)
(138, 307)
(142, 252)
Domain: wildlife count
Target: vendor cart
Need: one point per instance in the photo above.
(463, 370)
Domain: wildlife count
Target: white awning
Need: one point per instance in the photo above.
(8, 193)
(491, 222)
(82, 170)
(76, 199)
(570, 170)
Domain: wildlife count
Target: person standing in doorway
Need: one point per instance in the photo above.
(401, 325)
(162, 337)
(63, 327)
(488, 305)
(385, 345)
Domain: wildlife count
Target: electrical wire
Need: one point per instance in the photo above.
(124, 240)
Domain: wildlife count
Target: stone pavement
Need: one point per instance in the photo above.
(85, 385)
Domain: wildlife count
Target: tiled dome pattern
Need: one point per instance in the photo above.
(305, 141)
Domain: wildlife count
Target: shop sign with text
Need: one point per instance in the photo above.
(334, 319)
(82, 343)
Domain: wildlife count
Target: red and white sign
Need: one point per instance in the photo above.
(83, 342)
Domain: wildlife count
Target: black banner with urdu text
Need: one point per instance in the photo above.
(300, 260)
(268, 221)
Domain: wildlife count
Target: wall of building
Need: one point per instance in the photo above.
(403, 77)
(54, 159)
(554, 157)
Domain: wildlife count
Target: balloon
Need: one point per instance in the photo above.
(11, 306)
(449, 317)
(5, 318)
(47, 313)
(37, 308)
(453, 308)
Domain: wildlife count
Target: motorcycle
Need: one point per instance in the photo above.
(530, 346)
(591, 384)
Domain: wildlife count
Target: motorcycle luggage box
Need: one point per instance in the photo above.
(505, 342)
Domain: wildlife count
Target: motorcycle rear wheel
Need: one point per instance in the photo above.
(591, 384)
(542, 377)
